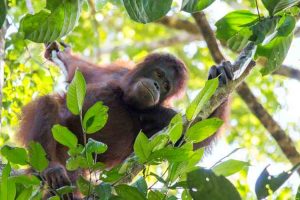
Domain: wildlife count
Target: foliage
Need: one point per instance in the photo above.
(171, 151)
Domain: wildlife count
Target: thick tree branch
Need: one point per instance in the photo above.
(179, 24)
(282, 139)
(288, 72)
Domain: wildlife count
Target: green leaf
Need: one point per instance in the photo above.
(65, 189)
(203, 129)
(76, 93)
(141, 147)
(4, 190)
(158, 142)
(15, 155)
(204, 184)
(156, 195)
(73, 163)
(238, 41)
(172, 154)
(202, 98)
(192, 6)
(141, 185)
(275, 53)
(3, 12)
(37, 156)
(25, 194)
(266, 182)
(274, 6)
(54, 198)
(145, 11)
(235, 23)
(175, 128)
(94, 146)
(52, 23)
(84, 186)
(263, 29)
(95, 118)
(127, 192)
(298, 193)
(103, 191)
(111, 175)
(287, 25)
(230, 167)
(26, 180)
(64, 136)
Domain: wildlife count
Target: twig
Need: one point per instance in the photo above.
(289, 72)
(232, 152)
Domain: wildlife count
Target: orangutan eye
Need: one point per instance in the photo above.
(166, 85)
(158, 73)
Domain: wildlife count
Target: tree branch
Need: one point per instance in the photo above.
(289, 72)
(179, 24)
(282, 139)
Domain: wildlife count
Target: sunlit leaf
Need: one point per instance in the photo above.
(203, 129)
(145, 11)
(204, 95)
(15, 155)
(266, 182)
(175, 128)
(172, 154)
(94, 146)
(4, 194)
(25, 194)
(141, 147)
(57, 20)
(95, 118)
(158, 142)
(230, 167)
(192, 6)
(64, 136)
(76, 93)
(204, 184)
(37, 156)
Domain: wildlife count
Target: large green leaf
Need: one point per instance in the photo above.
(76, 93)
(141, 147)
(15, 155)
(145, 11)
(264, 28)
(64, 136)
(37, 156)
(267, 183)
(192, 6)
(230, 167)
(175, 128)
(172, 154)
(141, 185)
(4, 190)
(204, 184)
(204, 95)
(127, 192)
(275, 52)
(233, 23)
(274, 6)
(52, 23)
(2, 12)
(287, 25)
(94, 146)
(203, 129)
(95, 118)
(103, 190)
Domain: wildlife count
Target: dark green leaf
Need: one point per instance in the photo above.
(287, 25)
(145, 11)
(175, 128)
(263, 29)
(64, 136)
(84, 186)
(298, 193)
(103, 190)
(267, 182)
(65, 189)
(127, 192)
(196, 5)
(141, 185)
(274, 6)
(156, 195)
(238, 41)
(274, 52)
(204, 95)
(111, 175)
(95, 118)
(37, 156)
(141, 147)
(52, 23)
(203, 129)
(15, 155)
(2, 12)
(94, 146)
(230, 167)
(76, 93)
(233, 23)
(204, 184)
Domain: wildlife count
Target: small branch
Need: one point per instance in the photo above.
(178, 39)
(29, 6)
(288, 72)
(179, 24)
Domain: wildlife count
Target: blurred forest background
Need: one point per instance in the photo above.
(105, 33)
